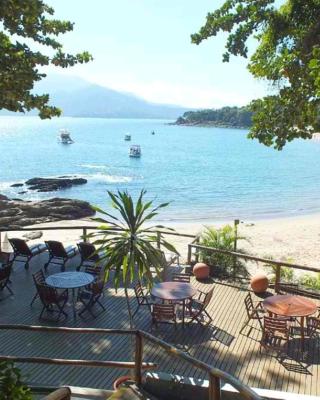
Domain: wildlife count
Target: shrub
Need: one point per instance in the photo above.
(11, 385)
(311, 281)
(222, 238)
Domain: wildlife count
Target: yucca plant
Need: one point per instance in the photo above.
(130, 246)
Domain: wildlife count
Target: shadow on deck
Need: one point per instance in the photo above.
(219, 344)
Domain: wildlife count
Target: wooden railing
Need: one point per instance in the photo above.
(277, 264)
(215, 375)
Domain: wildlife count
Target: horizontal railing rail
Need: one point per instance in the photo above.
(276, 263)
(215, 375)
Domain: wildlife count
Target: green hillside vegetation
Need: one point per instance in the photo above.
(231, 117)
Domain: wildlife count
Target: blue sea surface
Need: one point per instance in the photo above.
(206, 173)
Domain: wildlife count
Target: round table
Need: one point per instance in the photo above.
(175, 292)
(289, 305)
(70, 280)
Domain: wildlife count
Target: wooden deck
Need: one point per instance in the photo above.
(219, 345)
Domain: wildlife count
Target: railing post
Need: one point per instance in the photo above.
(158, 239)
(197, 252)
(84, 231)
(189, 254)
(138, 359)
(214, 388)
(277, 279)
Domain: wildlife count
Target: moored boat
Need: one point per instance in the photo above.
(127, 137)
(64, 137)
(135, 151)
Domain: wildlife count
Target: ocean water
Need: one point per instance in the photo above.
(206, 173)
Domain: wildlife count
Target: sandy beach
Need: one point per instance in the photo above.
(294, 239)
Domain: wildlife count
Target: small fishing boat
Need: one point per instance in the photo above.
(127, 137)
(153, 133)
(135, 151)
(64, 137)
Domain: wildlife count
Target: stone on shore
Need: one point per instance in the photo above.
(18, 213)
(53, 184)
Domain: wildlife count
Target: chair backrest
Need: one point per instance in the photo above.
(47, 294)
(163, 312)
(313, 325)
(39, 277)
(87, 251)
(208, 298)
(179, 277)
(140, 296)
(275, 325)
(93, 269)
(248, 304)
(20, 247)
(56, 249)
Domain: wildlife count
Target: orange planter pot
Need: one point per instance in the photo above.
(201, 271)
(259, 283)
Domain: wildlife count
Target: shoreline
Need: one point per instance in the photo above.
(293, 239)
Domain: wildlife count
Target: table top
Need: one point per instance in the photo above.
(69, 280)
(173, 290)
(289, 305)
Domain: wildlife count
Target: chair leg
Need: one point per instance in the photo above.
(34, 298)
(11, 292)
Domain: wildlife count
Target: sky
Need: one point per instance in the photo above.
(144, 47)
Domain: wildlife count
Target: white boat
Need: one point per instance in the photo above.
(135, 151)
(64, 137)
(127, 137)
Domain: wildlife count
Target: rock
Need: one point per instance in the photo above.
(53, 184)
(3, 197)
(16, 185)
(23, 192)
(21, 213)
(33, 235)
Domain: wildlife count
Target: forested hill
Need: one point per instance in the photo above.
(231, 117)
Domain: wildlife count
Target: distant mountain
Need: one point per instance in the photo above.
(79, 98)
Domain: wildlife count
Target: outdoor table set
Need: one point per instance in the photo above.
(70, 280)
(291, 306)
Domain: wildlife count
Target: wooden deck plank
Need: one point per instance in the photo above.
(220, 345)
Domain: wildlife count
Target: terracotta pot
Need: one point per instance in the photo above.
(201, 271)
(119, 381)
(259, 283)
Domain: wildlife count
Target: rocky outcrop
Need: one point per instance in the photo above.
(15, 214)
(53, 184)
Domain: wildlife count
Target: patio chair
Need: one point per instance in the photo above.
(313, 326)
(52, 300)
(275, 334)
(197, 308)
(58, 254)
(38, 278)
(24, 253)
(164, 314)
(90, 296)
(254, 312)
(88, 254)
(95, 270)
(59, 394)
(141, 297)
(5, 273)
(180, 277)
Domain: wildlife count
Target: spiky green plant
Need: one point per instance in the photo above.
(223, 238)
(11, 384)
(130, 246)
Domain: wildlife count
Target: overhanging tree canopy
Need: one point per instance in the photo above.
(25, 23)
(288, 56)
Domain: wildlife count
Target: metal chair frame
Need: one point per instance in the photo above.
(141, 298)
(253, 312)
(93, 293)
(50, 297)
(198, 307)
(275, 330)
(5, 273)
(38, 278)
(163, 314)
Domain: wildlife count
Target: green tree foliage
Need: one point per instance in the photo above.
(226, 116)
(287, 56)
(26, 23)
